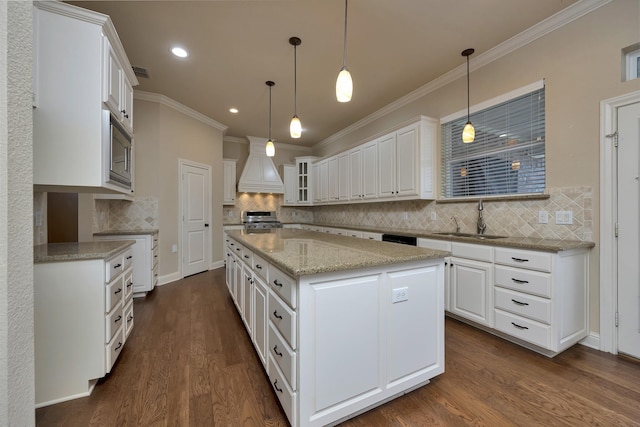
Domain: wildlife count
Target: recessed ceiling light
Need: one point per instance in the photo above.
(233, 110)
(179, 52)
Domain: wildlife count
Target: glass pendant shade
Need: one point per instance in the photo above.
(295, 128)
(271, 149)
(468, 133)
(344, 86)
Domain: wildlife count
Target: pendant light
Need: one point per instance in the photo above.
(344, 84)
(468, 133)
(271, 149)
(295, 128)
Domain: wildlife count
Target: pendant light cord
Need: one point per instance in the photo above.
(270, 112)
(468, 99)
(295, 80)
(344, 56)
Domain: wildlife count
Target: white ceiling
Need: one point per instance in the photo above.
(394, 47)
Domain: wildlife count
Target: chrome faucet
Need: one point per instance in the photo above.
(481, 224)
(457, 225)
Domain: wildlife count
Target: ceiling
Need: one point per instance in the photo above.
(394, 47)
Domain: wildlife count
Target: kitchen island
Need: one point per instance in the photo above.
(340, 324)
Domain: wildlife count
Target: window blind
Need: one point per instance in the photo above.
(508, 153)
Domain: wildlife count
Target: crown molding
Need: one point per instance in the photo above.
(552, 23)
(168, 102)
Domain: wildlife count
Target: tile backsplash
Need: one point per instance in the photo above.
(266, 202)
(517, 218)
(140, 214)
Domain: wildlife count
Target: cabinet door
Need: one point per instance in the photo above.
(230, 270)
(387, 166)
(260, 319)
(324, 181)
(472, 290)
(303, 182)
(355, 174)
(407, 161)
(112, 91)
(247, 298)
(315, 169)
(126, 102)
(229, 196)
(332, 179)
(343, 176)
(370, 170)
(290, 178)
(237, 280)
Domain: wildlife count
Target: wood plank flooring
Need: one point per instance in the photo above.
(189, 362)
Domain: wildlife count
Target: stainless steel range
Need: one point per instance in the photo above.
(260, 220)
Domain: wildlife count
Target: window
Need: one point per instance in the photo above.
(507, 156)
(633, 65)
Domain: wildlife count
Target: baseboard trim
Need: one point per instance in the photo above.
(592, 341)
(216, 264)
(168, 278)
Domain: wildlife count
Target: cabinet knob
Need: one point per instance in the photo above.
(124, 113)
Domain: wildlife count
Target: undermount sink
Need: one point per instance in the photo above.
(470, 235)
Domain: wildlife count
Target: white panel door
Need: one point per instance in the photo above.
(195, 219)
(629, 226)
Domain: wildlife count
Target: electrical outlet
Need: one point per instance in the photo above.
(400, 294)
(543, 217)
(405, 215)
(434, 216)
(564, 217)
(38, 219)
(174, 248)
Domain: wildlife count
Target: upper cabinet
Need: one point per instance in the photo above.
(229, 196)
(83, 89)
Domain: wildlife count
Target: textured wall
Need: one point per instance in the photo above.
(16, 208)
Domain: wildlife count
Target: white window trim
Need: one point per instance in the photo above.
(494, 101)
(632, 64)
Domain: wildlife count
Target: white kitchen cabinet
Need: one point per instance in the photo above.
(363, 172)
(398, 163)
(371, 236)
(229, 173)
(305, 180)
(145, 259)
(71, 123)
(260, 318)
(246, 298)
(289, 178)
(83, 314)
(441, 245)
(333, 180)
(343, 177)
(320, 173)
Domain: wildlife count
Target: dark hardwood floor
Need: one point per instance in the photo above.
(189, 362)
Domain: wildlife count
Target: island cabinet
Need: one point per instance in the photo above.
(340, 341)
(83, 314)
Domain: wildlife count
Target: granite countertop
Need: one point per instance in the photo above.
(136, 232)
(79, 251)
(300, 252)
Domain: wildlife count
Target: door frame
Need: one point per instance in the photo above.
(181, 164)
(608, 215)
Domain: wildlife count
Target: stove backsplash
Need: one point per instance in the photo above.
(265, 202)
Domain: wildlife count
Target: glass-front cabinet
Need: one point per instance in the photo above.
(303, 184)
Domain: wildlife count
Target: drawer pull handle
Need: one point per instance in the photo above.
(276, 315)
(130, 318)
(519, 281)
(275, 282)
(119, 318)
(230, 244)
(130, 256)
(129, 284)
(518, 302)
(238, 249)
(519, 259)
(247, 257)
(258, 266)
(275, 350)
(117, 266)
(518, 326)
(275, 385)
(118, 291)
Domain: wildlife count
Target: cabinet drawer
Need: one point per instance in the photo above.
(286, 396)
(524, 329)
(127, 258)
(247, 256)
(113, 322)
(154, 256)
(114, 348)
(260, 267)
(128, 285)
(284, 285)
(519, 279)
(530, 306)
(114, 292)
(477, 252)
(113, 267)
(283, 356)
(524, 259)
(128, 319)
(283, 318)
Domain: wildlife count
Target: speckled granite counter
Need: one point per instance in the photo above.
(60, 252)
(138, 232)
(536, 244)
(301, 252)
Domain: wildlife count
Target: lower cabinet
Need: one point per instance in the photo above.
(471, 287)
(83, 314)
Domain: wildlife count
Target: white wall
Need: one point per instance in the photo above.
(17, 390)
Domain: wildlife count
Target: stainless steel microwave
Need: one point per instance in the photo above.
(121, 156)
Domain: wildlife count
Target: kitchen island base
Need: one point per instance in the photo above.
(339, 343)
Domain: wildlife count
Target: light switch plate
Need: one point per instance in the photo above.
(434, 216)
(543, 217)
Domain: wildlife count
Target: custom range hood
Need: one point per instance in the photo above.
(259, 174)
